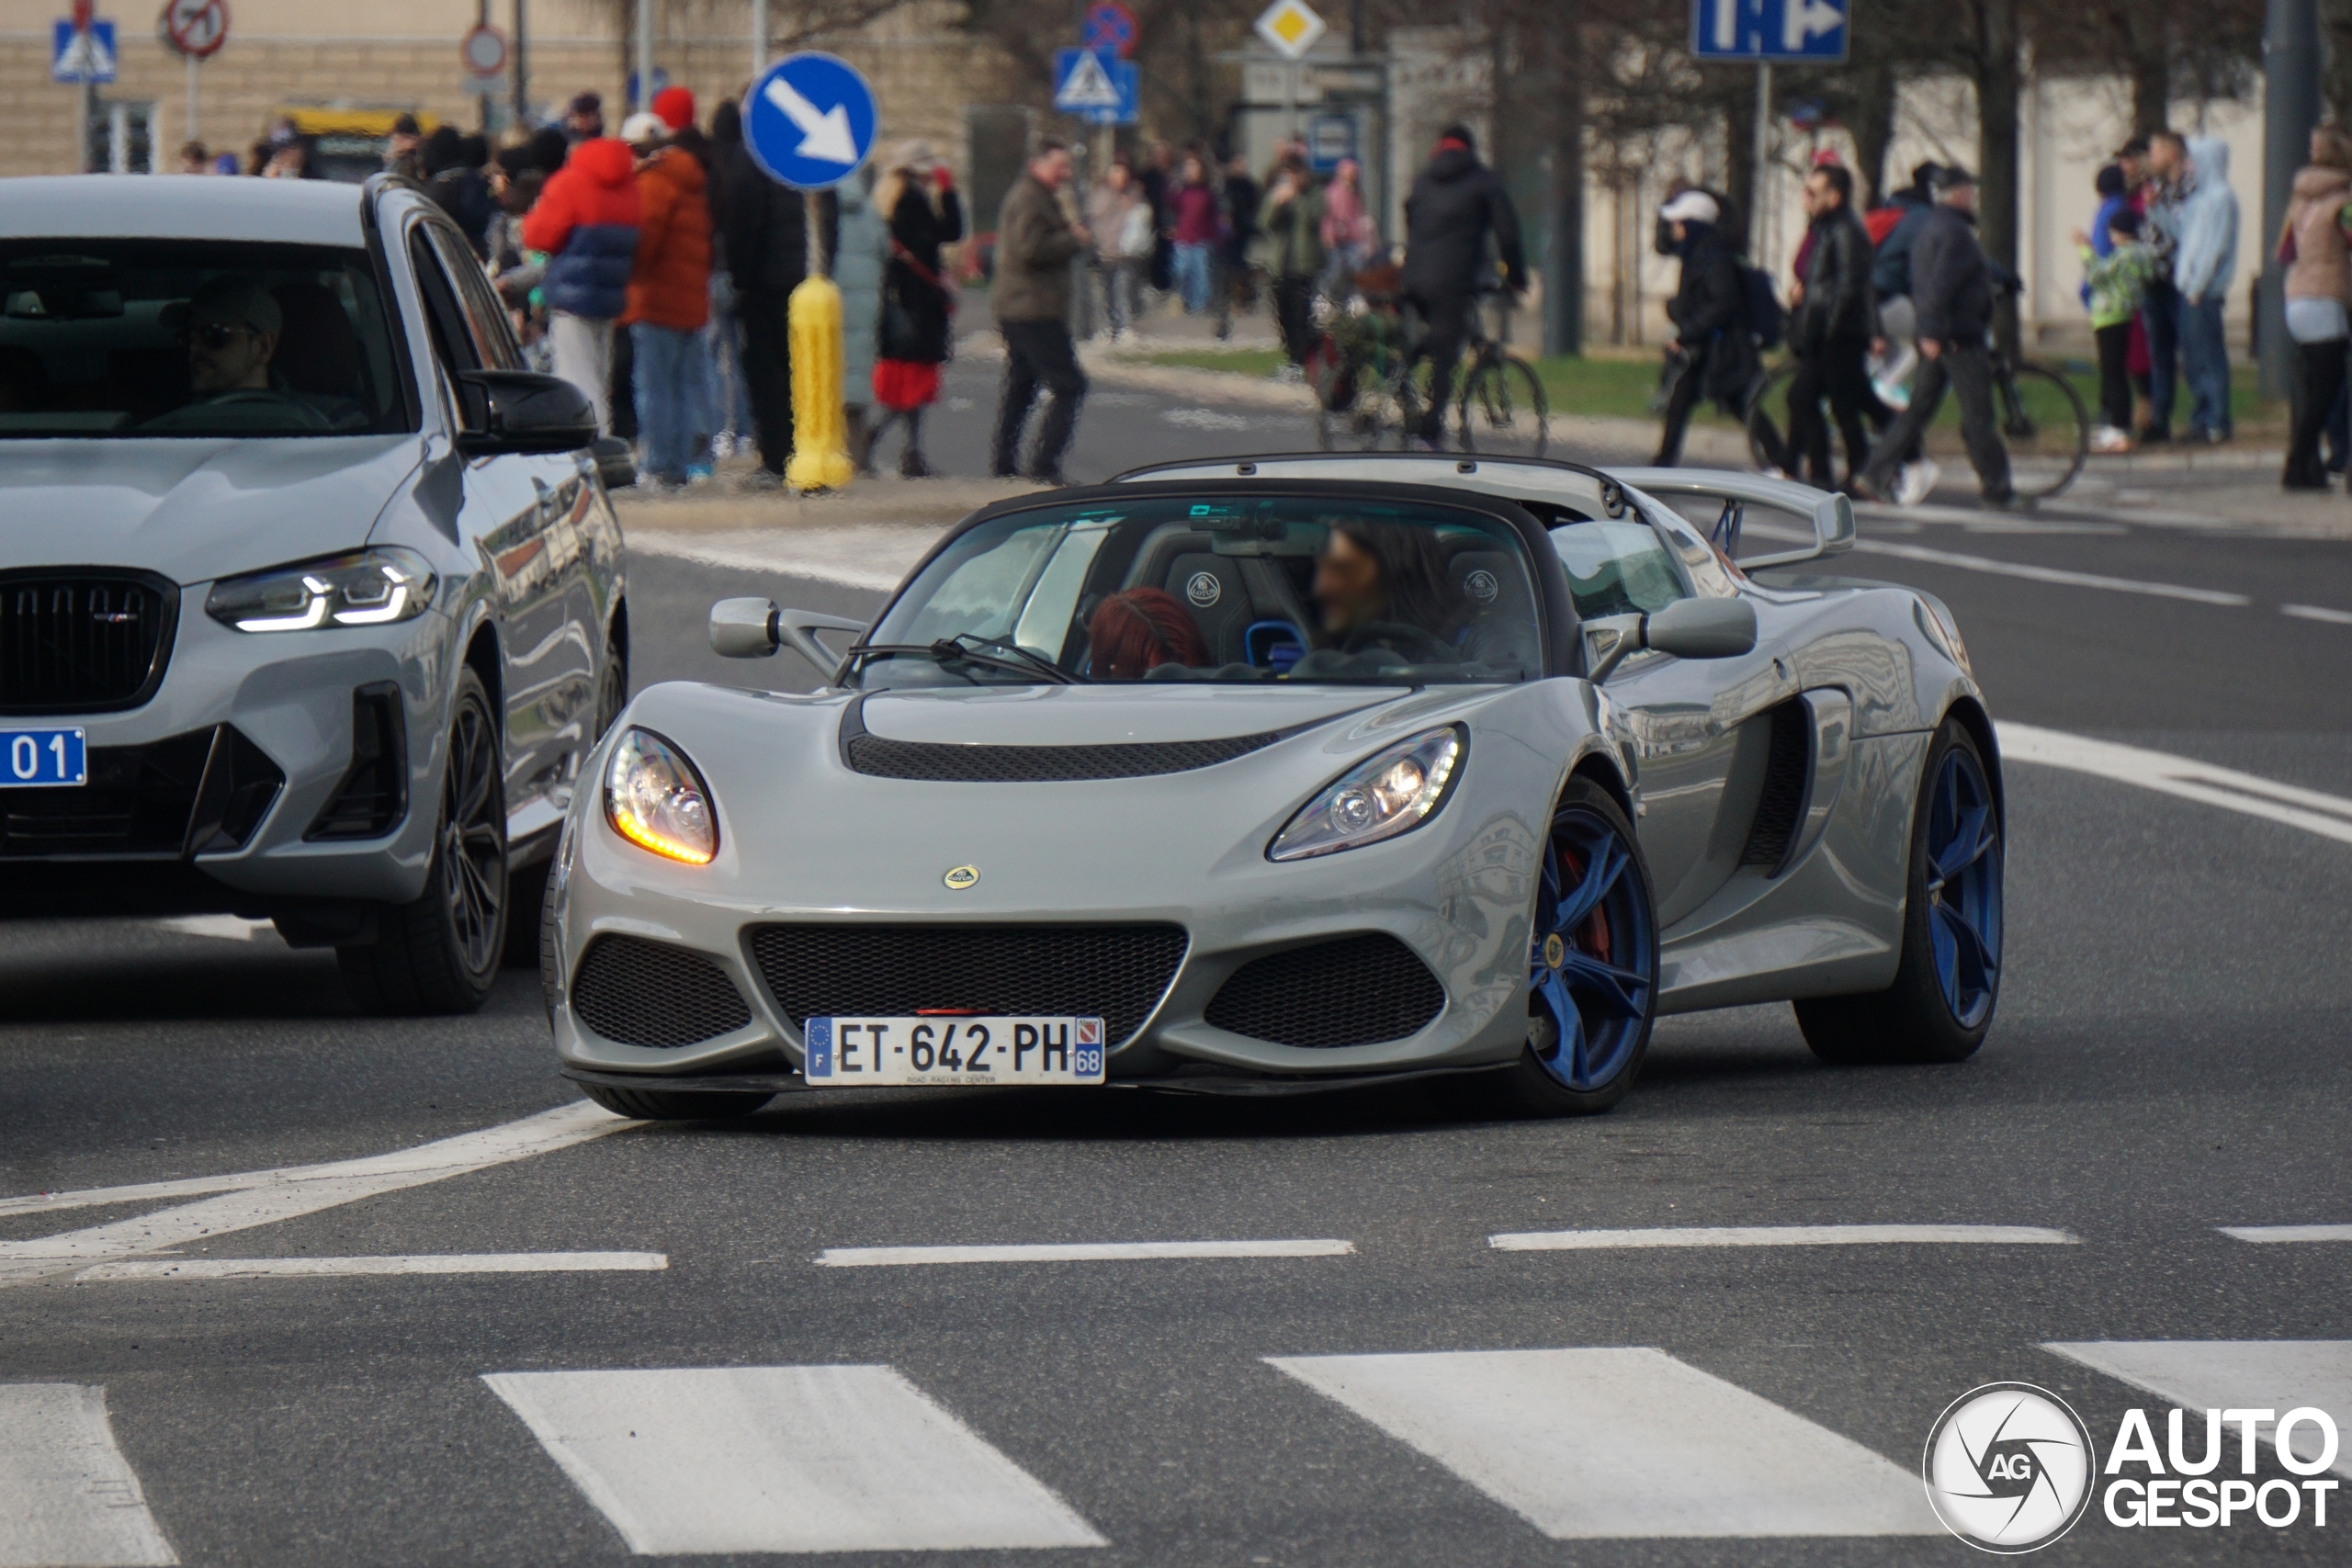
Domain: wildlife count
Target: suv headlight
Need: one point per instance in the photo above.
(369, 588)
(655, 798)
(1393, 792)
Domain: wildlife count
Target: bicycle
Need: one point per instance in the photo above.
(2047, 450)
(1376, 387)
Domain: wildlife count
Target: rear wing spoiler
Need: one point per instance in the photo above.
(1832, 515)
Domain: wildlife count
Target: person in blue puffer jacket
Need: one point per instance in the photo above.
(586, 221)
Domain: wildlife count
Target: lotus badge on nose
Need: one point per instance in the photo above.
(963, 876)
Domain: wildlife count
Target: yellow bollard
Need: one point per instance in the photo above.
(819, 440)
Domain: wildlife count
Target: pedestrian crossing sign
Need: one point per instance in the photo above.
(76, 58)
(1096, 85)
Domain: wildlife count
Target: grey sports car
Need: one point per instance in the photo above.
(1283, 773)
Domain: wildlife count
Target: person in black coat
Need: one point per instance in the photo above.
(1835, 327)
(1457, 202)
(917, 200)
(1714, 334)
(762, 228)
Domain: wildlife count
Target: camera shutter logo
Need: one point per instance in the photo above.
(1204, 589)
(2008, 1468)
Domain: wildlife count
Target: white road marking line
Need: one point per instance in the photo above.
(67, 1497)
(1613, 1443)
(266, 1197)
(1780, 1236)
(783, 1459)
(2317, 612)
(856, 558)
(2278, 1375)
(2289, 1233)
(2013, 568)
(409, 1263)
(1076, 1252)
(2329, 815)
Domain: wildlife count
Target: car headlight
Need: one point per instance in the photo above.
(655, 798)
(369, 588)
(1391, 792)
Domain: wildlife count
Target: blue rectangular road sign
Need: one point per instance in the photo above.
(1096, 85)
(76, 58)
(1793, 32)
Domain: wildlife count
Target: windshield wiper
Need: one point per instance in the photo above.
(1018, 660)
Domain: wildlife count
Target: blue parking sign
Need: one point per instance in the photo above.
(1769, 31)
(808, 120)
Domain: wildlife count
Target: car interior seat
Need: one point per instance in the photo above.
(318, 352)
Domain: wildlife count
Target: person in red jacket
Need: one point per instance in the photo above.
(669, 299)
(586, 222)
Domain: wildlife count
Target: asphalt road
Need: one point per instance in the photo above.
(2168, 1060)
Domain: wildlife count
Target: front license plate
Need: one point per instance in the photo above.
(42, 758)
(853, 1053)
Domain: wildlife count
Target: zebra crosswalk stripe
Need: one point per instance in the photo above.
(66, 1494)
(783, 1459)
(1623, 1442)
(2220, 1375)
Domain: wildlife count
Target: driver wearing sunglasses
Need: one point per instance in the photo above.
(232, 329)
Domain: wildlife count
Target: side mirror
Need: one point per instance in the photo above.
(755, 628)
(522, 412)
(615, 464)
(1687, 628)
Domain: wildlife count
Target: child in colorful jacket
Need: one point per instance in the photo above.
(2118, 283)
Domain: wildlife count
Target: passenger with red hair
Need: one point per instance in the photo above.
(1135, 632)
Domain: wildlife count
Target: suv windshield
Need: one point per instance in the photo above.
(1240, 588)
(177, 337)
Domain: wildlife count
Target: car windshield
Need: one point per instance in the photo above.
(1235, 589)
(171, 337)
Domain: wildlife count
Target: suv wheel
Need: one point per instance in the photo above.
(439, 953)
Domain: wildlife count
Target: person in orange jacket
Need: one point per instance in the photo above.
(669, 299)
(586, 220)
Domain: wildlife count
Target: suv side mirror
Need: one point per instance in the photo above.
(522, 412)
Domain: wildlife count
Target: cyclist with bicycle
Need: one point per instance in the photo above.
(1456, 204)
(1952, 284)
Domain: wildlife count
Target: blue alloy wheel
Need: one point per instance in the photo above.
(1594, 954)
(1964, 888)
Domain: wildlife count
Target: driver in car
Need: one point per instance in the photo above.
(231, 331)
(1383, 585)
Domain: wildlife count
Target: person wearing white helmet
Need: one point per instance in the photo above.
(1713, 322)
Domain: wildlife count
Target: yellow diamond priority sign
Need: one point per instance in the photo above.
(1290, 25)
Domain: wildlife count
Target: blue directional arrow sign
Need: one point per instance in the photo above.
(76, 58)
(808, 120)
(1769, 31)
(1096, 85)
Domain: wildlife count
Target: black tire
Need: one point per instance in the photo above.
(1761, 431)
(675, 1105)
(2054, 449)
(1503, 410)
(612, 681)
(1911, 1021)
(440, 953)
(1529, 1088)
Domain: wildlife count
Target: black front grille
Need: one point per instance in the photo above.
(1354, 990)
(1786, 765)
(1115, 973)
(83, 641)
(634, 992)
(199, 792)
(933, 763)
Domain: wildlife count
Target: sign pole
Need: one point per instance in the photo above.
(759, 35)
(193, 65)
(1762, 161)
(644, 56)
